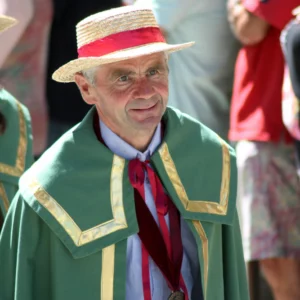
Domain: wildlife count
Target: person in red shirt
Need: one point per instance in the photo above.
(269, 189)
(290, 43)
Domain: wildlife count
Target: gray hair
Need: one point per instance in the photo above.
(90, 74)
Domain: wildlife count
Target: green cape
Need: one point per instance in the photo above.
(15, 147)
(78, 205)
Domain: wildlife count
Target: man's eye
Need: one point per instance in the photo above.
(123, 78)
(153, 72)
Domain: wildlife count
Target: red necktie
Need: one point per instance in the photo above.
(164, 246)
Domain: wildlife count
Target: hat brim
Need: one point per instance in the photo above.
(6, 22)
(66, 72)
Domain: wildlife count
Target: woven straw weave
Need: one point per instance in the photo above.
(102, 24)
(107, 23)
(6, 22)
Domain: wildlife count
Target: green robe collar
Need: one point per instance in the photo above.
(82, 191)
(16, 142)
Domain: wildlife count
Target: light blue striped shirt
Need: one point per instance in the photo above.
(190, 265)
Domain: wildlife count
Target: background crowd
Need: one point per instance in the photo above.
(241, 79)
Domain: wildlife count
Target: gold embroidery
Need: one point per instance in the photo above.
(107, 274)
(78, 236)
(224, 192)
(199, 206)
(203, 237)
(4, 197)
(19, 167)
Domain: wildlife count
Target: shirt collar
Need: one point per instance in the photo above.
(123, 149)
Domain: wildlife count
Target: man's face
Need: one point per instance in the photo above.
(131, 95)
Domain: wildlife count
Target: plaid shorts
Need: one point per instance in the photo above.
(268, 200)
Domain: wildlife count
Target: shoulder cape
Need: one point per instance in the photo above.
(82, 191)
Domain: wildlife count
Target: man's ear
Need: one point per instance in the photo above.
(86, 89)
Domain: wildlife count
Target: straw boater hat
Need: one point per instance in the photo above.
(115, 35)
(6, 22)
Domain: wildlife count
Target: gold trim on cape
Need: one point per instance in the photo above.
(218, 208)
(107, 273)
(200, 230)
(4, 197)
(78, 236)
(19, 167)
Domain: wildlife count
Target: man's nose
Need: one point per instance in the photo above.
(144, 89)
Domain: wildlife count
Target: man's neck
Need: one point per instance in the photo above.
(139, 142)
(122, 147)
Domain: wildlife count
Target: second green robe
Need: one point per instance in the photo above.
(15, 147)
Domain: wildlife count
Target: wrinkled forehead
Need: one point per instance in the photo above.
(133, 65)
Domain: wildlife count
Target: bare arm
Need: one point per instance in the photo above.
(248, 28)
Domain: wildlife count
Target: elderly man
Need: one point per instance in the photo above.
(15, 139)
(138, 200)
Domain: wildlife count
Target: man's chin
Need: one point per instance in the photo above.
(147, 123)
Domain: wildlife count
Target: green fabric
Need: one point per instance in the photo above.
(10, 191)
(197, 154)
(226, 276)
(46, 270)
(44, 262)
(10, 143)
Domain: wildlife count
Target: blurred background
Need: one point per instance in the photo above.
(241, 79)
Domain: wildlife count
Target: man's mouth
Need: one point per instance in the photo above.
(145, 109)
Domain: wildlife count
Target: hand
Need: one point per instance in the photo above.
(247, 27)
(232, 3)
(296, 13)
